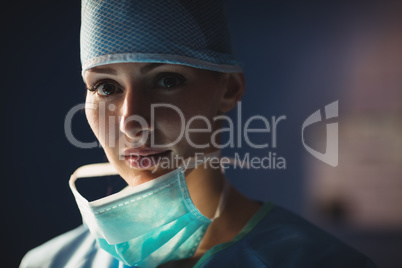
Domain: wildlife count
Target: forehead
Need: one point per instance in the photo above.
(114, 68)
(135, 68)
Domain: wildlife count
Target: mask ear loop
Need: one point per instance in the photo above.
(222, 200)
(92, 170)
(225, 191)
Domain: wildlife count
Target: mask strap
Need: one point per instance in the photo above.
(91, 170)
(222, 200)
(193, 162)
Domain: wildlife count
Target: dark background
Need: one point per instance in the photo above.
(293, 55)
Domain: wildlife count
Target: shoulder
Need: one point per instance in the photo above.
(75, 248)
(288, 238)
(277, 238)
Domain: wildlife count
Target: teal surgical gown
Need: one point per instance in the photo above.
(274, 238)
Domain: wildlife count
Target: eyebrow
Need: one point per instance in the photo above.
(103, 70)
(112, 71)
(149, 67)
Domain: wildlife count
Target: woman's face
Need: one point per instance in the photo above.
(138, 137)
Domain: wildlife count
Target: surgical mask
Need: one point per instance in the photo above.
(146, 225)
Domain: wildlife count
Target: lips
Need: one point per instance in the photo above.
(144, 158)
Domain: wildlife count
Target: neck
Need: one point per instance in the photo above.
(205, 187)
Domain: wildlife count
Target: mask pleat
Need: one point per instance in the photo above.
(116, 225)
(168, 239)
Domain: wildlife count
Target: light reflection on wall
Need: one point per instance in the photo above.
(365, 190)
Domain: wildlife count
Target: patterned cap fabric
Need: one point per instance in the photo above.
(186, 32)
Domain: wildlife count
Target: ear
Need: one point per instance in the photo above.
(233, 91)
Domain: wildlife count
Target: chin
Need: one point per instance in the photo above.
(135, 177)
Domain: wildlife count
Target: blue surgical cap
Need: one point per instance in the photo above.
(186, 32)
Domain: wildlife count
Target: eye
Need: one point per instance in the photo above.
(105, 88)
(170, 80)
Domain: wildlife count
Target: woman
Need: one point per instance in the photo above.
(160, 75)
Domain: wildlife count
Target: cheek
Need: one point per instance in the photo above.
(92, 118)
(167, 124)
(193, 122)
(103, 124)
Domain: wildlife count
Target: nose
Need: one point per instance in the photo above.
(134, 122)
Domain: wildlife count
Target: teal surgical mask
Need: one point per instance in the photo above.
(146, 225)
